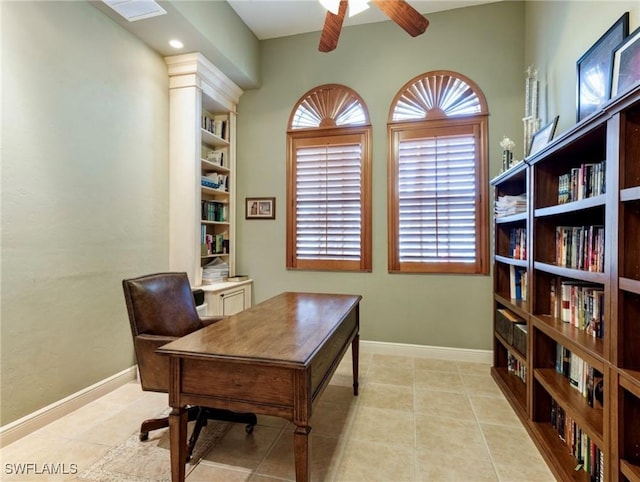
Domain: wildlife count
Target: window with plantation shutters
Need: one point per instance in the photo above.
(329, 182)
(437, 204)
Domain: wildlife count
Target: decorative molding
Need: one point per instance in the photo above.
(29, 423)
(189, 70)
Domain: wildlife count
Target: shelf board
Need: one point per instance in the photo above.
(628, 284)
(579, 274)
(511, 218)
(514, 389)
(586, 346)
(556, 453)
(588, 203)
(519, 356)
(630, 380)
(212, 140)
(512, 261)
(515, 172)
(630, 194)
(518, 306)
(213, 167)
(216, 255)
(630, 470)
(214, 223)
(574, 404)
(214, 192)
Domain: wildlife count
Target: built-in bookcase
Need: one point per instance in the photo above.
(202, 179)
(511, 268)
(583, 295)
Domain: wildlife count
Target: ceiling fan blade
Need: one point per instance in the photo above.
(331, 30)
(412, 21)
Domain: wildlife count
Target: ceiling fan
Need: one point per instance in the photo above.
(399, 11)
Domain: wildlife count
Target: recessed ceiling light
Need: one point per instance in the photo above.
(176, 44)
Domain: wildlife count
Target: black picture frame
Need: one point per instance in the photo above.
(541, 138)
(260, 208)
(626, 64)
(594, 68)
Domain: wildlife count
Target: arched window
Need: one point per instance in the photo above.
(437, 186)
(329, 181)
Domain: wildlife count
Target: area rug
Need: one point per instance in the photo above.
(150, 461)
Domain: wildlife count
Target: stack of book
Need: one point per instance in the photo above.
(581, 182)
(589, 457)
(580, 247)
(517, 283)
(508, 205)
(582, 376)
(518, 243)
(215, 272)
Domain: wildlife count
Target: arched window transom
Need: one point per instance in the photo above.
(329, 105)
(437, 94)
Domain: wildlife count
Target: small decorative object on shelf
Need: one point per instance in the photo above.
(541, 138)
(507, 152)
(530, 119)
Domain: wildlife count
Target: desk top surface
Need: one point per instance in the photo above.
(288, 328)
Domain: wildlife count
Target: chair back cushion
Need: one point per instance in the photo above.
(161, 304)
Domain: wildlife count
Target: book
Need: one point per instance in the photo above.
(238, 277)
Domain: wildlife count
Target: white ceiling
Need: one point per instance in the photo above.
(281, 18)
(266, 18)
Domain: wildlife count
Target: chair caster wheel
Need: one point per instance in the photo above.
(249, 428)
(144, 436)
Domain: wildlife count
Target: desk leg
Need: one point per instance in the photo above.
(178, 442)
(301, 451)
(355, 355)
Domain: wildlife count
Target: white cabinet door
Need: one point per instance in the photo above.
(229, 300)
(232, 301)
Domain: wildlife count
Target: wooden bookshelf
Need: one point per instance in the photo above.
(612, 138)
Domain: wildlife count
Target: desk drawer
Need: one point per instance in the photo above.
(238, 381)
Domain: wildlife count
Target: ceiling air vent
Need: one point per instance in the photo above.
(134, 10)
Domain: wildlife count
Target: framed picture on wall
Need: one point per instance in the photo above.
(594, 69)
(260, 208)
(626, 64)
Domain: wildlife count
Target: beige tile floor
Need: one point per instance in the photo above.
(415, 419)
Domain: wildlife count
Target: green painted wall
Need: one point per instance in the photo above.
(84, 196)
(557, 34)
(484, 43)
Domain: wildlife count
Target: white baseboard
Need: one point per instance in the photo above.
(424, 351)
(15, 430)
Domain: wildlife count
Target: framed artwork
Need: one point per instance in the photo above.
(594, 69)
(260, 208)
(626, 64)
(541, 138)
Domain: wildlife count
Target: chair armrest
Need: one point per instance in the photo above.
(151, 342)
(153, 367)
(210, 320)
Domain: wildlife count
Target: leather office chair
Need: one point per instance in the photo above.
(161, 308)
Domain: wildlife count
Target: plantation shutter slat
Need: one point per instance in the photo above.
(437, 199)
(328, 202)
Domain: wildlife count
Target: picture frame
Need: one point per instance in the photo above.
(593, 69)
(542, 137)
(626, 64)
(260, 208)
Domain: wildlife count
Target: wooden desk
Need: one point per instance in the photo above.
(275, 358)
